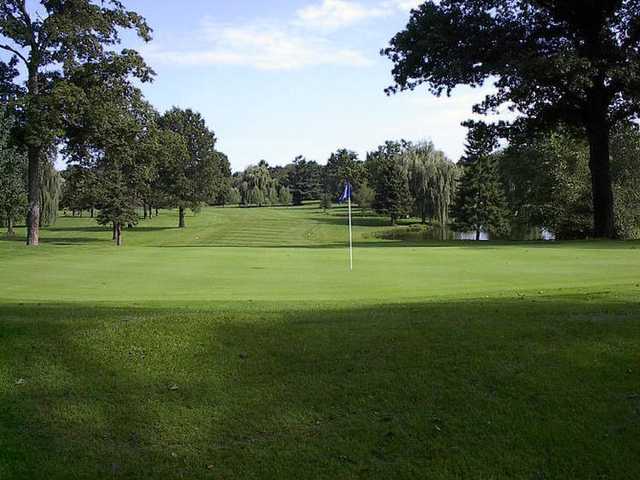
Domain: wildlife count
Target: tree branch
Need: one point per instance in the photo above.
(15, 52)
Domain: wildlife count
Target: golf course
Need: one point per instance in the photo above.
(242, 347)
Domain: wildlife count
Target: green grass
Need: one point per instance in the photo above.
(242, 348)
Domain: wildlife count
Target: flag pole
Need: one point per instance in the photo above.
(350, 237)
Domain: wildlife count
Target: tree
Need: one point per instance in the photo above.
(198, 177)
(51, 186)
(480, 204)
(432, 181)
(343, 165)
(571, 61)
(13, 178)
(364, 196)
(256, 186)
(80, 190)
(284, 196)
(547, 182)
(304, 180)
(392, 190)
(50, 42)
(326, 202)
(113, 136)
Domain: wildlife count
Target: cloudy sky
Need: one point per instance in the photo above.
(280, 78)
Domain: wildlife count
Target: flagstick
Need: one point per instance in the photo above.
(350, 237)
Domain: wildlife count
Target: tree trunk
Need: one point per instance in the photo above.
(34, 153)
(33, 212)
(181, 222)
(478, 233)
(600, 165)
(92, 212)
(118, 234)
(157, 213)
(10, 231)
(113, 228)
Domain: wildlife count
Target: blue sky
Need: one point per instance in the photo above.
(277, 78)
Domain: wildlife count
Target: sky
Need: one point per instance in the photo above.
(279, 78)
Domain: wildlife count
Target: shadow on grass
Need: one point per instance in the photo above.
(365, 244)
(532, 388)
(45, 239)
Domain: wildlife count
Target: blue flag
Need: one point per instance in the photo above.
(346, 195)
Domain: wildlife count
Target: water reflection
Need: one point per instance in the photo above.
(429, 233)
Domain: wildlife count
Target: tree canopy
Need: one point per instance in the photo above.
(572, 61)
(51, 39)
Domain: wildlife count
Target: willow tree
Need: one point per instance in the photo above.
(49, 38)
(432, 181)
(571, 61)
(257, 187)
(51, 185)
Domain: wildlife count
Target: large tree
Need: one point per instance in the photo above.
(199, 176)
(575, 61)
(112, 136)
(50, 38)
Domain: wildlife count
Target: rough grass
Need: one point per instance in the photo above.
(240, 348)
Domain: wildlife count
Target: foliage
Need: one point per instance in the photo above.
(51, 187)
(547, 182)
(256, 186)
(556, 60)
(304, 180)
(432, 181)
(52, 39)
(326, 201)
(81, 188)
(625, 168)
(198, 176)
(364, 196)
(392, 188)
(284, 196)
(480, 203)
(343, 165)
(13, 178)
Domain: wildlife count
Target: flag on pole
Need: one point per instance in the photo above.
(346, 197)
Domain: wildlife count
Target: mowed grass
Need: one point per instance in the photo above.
(242, 347)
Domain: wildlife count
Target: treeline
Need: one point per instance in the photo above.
(539, 181)
(397, 179)
(67, 94)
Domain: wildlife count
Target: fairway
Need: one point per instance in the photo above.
(241, 347)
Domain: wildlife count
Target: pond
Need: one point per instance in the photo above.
(429, 233)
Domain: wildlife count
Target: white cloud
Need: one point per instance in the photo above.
(261, 46)
(332, 14)
(287, 44)
(404, 5)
